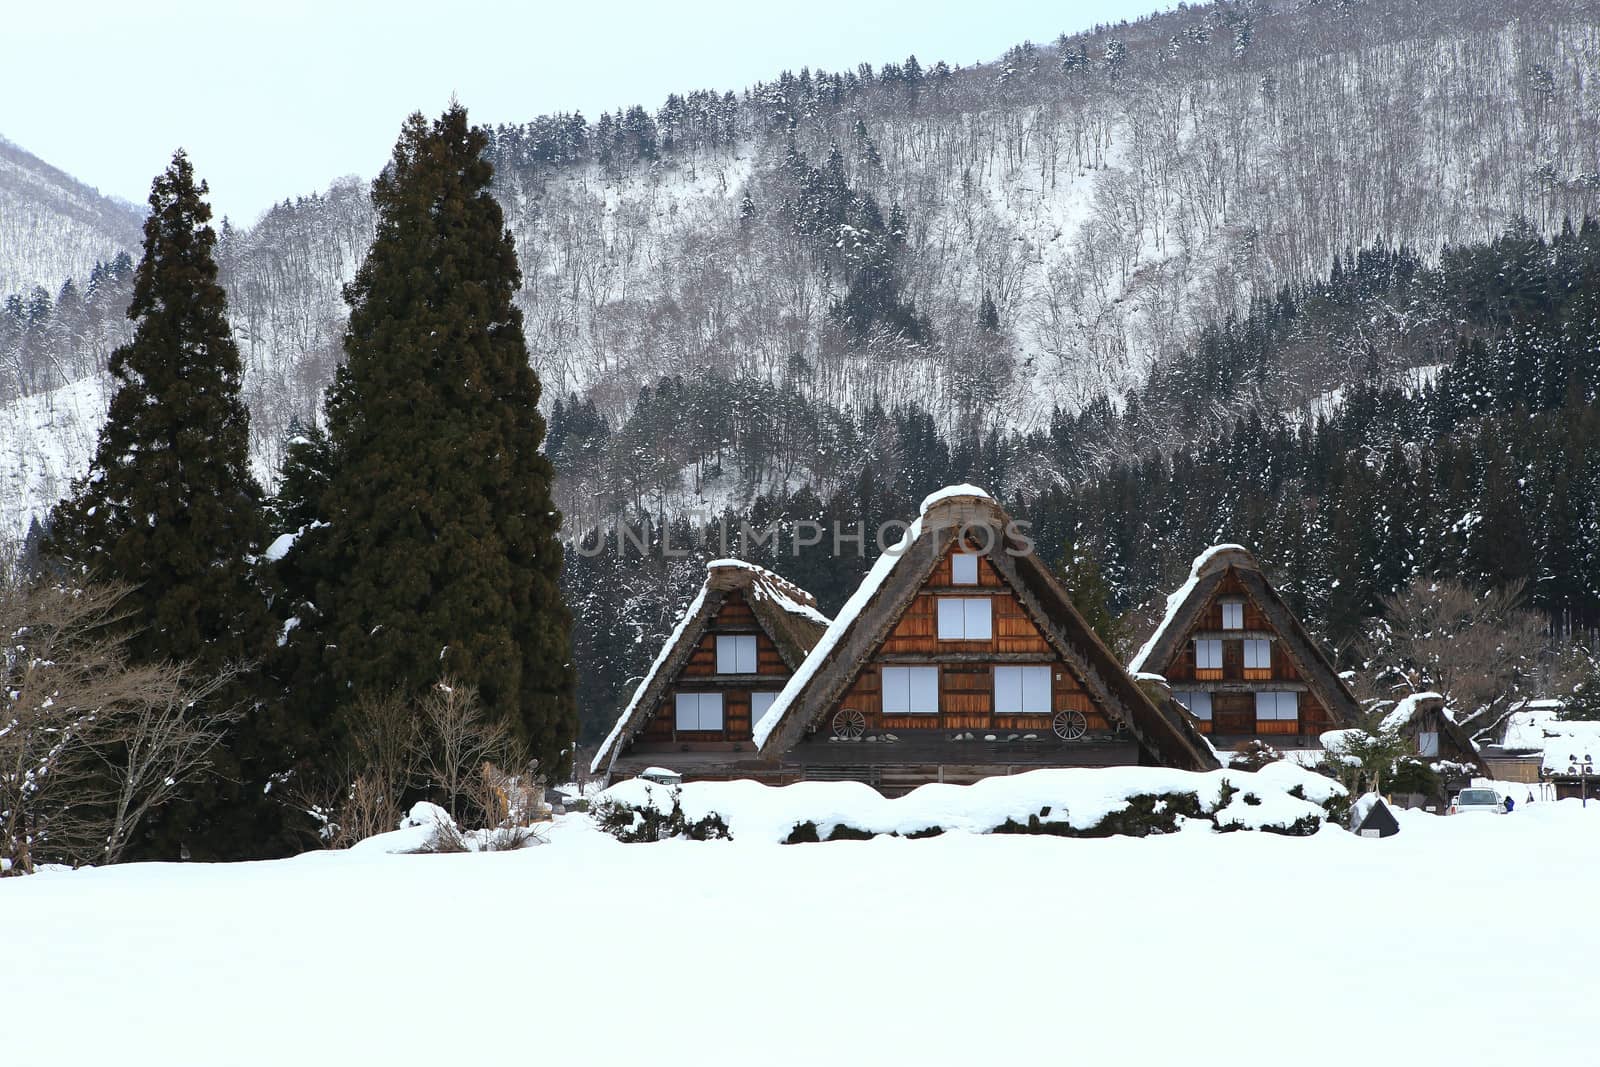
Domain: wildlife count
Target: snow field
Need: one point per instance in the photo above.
(1194, 948)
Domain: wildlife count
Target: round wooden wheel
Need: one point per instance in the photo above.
(1069, 725)
(849, 724)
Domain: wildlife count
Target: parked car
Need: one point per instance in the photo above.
(1477, 800)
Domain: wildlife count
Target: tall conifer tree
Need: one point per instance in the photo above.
(169, 506)
(442, 555)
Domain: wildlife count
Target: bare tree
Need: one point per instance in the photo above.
(89, 744)
(162, 744)
(456, 741)
(383, 733)
(1475, 646)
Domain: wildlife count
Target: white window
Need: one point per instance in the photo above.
(964, 619)
(1277, 706)
(1022, 690)
(964, 568)
(759, 703)
(1198, 701)
(911, 690)
(1208, 655)
(699, 711)
(1258, 655)
(1428, 743)
(1233, 614)
(736, 655)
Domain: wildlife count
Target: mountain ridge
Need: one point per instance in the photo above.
(1104, 197)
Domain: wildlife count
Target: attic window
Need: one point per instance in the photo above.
(1427, 742)
(965, 619)
(964, 568)
(1232, 615)
(1277, 706)
(699, 711)
(1198, 701)
(1208, 654)
(911, 690)
(736, 655)
(1258, 655)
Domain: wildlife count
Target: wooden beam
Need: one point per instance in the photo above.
(938, 658)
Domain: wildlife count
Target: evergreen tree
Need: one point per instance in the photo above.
(170, 508)
(441, 555)
(1583, 703)
(1091, 595)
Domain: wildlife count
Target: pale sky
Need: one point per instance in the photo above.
(276, 99)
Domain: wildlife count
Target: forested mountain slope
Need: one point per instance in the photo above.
(985, 244)
(53, 227)
(1484, 468)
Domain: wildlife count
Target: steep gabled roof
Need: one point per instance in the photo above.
(894, 581)
(786, 612)
(1416, 705)
(1185, 605)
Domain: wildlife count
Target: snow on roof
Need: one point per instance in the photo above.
(772, 587)
(882, 568)
(763, 585)
(950, 492)
(864, 594)
(1526, 727)
(1176, 601)
(1407, 709)
(1569, 745)
(603, 753)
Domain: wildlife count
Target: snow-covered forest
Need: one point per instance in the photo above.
(1094, 200)
(1130, 263)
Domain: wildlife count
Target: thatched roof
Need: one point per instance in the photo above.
(786, 612)
(1165, 732)
(1184, 606)
(1420, 705)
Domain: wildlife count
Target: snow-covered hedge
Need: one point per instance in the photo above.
(1280, 798)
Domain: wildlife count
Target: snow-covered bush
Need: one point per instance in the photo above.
(1253, 755)
(427, 828)
(657, 818)
(1134, 801)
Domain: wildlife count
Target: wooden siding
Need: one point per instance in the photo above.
(699, 675)
(1233, 687)
(966, 668)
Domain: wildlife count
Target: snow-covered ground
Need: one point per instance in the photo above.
(1463, 939)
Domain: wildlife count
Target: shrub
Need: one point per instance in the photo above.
(650, 823)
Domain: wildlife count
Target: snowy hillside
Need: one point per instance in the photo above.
(1109, 193)
(1118, 950)
(52, 227)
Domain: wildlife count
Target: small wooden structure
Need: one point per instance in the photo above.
(1241, 661)
(961, 657)
(725, 662)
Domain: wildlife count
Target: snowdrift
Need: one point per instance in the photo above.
(1280, 798)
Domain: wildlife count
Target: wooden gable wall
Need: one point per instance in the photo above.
(966, 668)
(699, 675)
(1234, 686)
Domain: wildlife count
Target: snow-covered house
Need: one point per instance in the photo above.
(1241, 661)
(1514, 746)
(730, 654)
(1431, 727)
(1538, 741)
(961, 657)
